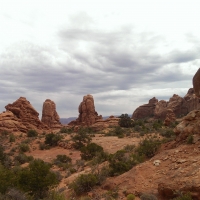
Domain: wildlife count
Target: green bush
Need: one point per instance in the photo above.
(12, 138)
(130, 197)
(24, 147)
(37, 178)
(63, 159)
(148, 197)
(52, 139)
(23, 158)
(84, 183)
(88, 152)
(66, 130)
(125, 121)
(148, 147)
(182, 196)
(81, 138)
(190, 139)
(55, 195)
(32, 133)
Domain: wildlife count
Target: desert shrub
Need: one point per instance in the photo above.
(7, 179)
(88, 152)
(14, 194)
(125, 121)
(66, 130)
(52, 139)
(157, 124)
(12, 138)
(186, 196)
(32, 133)
(119, 163)
(24, 147)
(84, 183)
(23, 158)
(81, 138)
(168, 133)
(148, 197)
(55, 195)
(148, 147)
(190, 139)
(2, 154)
(37, 178)
(63, 159)
(112, 194)
(4, 133)
(99, 158)
(42, 146)
(130, 197)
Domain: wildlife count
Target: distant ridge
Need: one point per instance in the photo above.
(67, 120)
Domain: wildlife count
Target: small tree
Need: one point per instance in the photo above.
(125, 121)
(88, 152)
(81, 138)
(52, 139)
(37, 178)
(32, 133)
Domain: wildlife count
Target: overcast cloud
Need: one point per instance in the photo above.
(121, 52)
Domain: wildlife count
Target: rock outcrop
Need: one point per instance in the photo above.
(102, 124)
(146, 110)
(170, 117)
(87, 113)
(21, 116)
(49, 115)
(196, 83)
(179, 105)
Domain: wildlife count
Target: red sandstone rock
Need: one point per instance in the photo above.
(49, 115)
(196, 83)
(146, 110)
(87, 113)
(170, 117)
(24, 115)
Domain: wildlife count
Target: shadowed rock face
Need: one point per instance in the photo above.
(196, 83)
(87, 113)
(49, 115)
(25, 114)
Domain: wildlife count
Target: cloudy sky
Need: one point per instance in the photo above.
(123, 52)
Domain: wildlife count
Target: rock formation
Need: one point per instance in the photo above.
(196, 83)
(170, 117)
(146, 110)
(21, 116)
(180, 106)
(87, 113)
(49, 115)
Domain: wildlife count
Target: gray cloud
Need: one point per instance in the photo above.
(87, 60)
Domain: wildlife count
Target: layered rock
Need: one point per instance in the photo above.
(196, 83)
(146, 110)
(49, 115)
(170, 117)
(190, 125)
(23, 115)
(102, 124)
(179, 105)
(87, 113)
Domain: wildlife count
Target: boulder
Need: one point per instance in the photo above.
(49, 115)
(196, 83)
(146, 110)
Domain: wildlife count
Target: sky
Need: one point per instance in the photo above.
(123, 52)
